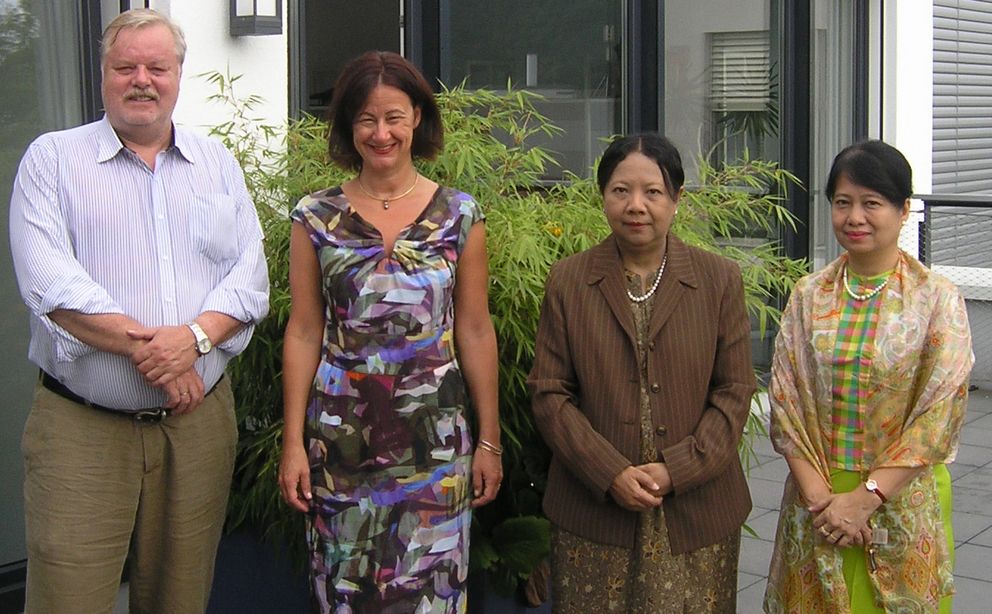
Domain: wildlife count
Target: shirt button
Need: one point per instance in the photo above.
(661, 430)
(651, 346)
(655, 387)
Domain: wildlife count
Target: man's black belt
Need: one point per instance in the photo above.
(150, 415)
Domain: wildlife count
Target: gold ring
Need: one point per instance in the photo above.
(824, 532)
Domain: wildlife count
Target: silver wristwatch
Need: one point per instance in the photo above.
(203, 344)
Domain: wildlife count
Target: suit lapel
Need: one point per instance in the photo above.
(678, 277)
(607, 274)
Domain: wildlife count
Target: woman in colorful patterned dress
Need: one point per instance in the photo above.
(868, 392)
(389, 336)
(641, 384)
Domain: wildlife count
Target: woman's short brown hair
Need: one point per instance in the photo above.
(359, 77)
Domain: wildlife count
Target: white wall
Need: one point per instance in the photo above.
(261, 60)
(907, 85)
(907, 98)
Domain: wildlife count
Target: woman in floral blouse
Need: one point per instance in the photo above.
(868, 393)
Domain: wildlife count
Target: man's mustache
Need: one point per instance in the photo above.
(136, 92)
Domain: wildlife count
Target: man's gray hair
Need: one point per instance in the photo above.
(141, 18)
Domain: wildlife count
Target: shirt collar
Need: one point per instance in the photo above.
(109, 144)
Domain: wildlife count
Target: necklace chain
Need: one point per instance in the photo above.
(385, 201)
(866, 295)
(654, 286)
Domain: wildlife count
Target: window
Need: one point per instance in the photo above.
(568, 52)
(741, 98)
(962, 124)
(326, 35)
(721, 86)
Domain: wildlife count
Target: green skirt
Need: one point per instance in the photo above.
(859, 586)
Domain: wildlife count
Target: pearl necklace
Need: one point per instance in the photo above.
(865, 296)
(385, 201)
(654, 286)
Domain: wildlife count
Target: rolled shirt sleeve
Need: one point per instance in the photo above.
(243, 294)
(48, 274)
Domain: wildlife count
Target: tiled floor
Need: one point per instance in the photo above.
(972, 479)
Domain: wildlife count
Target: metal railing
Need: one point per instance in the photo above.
(955, 240)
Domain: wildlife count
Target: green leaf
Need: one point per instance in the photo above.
(522, 543)
(484, 556)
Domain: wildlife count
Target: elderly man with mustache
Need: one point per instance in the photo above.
(138, 253)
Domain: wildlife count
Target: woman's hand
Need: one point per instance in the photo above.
(294, 477)
(842, 520)
(487, 475)
(659, 473)
(634, 489)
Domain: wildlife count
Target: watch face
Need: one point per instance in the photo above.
(203, 345)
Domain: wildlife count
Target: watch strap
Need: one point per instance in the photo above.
(202, 340)
(872, 487)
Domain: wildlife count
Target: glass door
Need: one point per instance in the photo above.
(40, 68)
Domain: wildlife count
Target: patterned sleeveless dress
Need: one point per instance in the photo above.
(388, 442)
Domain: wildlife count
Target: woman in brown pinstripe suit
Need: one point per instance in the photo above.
(641, 386)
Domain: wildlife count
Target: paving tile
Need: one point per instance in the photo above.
(968, 526)
(977, 456)
(749, 600)
(984, 423)
(763, 446)
(972, 596)
(980, 401)
(973, 501)
(121, 606)
(758, 461)
(745, 580)
(979, 478)
(978, 406)
(959, 470)
(764, 523)
(776, 470)
(766, 494)
(982, 539)
(972, 561)
(756, 554)
(975, 437)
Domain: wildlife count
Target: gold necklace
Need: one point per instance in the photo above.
(866, 295)
(385, 201)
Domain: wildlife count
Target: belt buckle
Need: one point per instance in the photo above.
(150, 416)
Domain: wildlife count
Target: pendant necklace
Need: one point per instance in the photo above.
(654, 286)
(386, 200)
(866, 295)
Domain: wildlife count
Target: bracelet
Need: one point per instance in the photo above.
(490, 447)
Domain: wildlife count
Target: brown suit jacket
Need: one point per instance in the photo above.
(585, 387)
